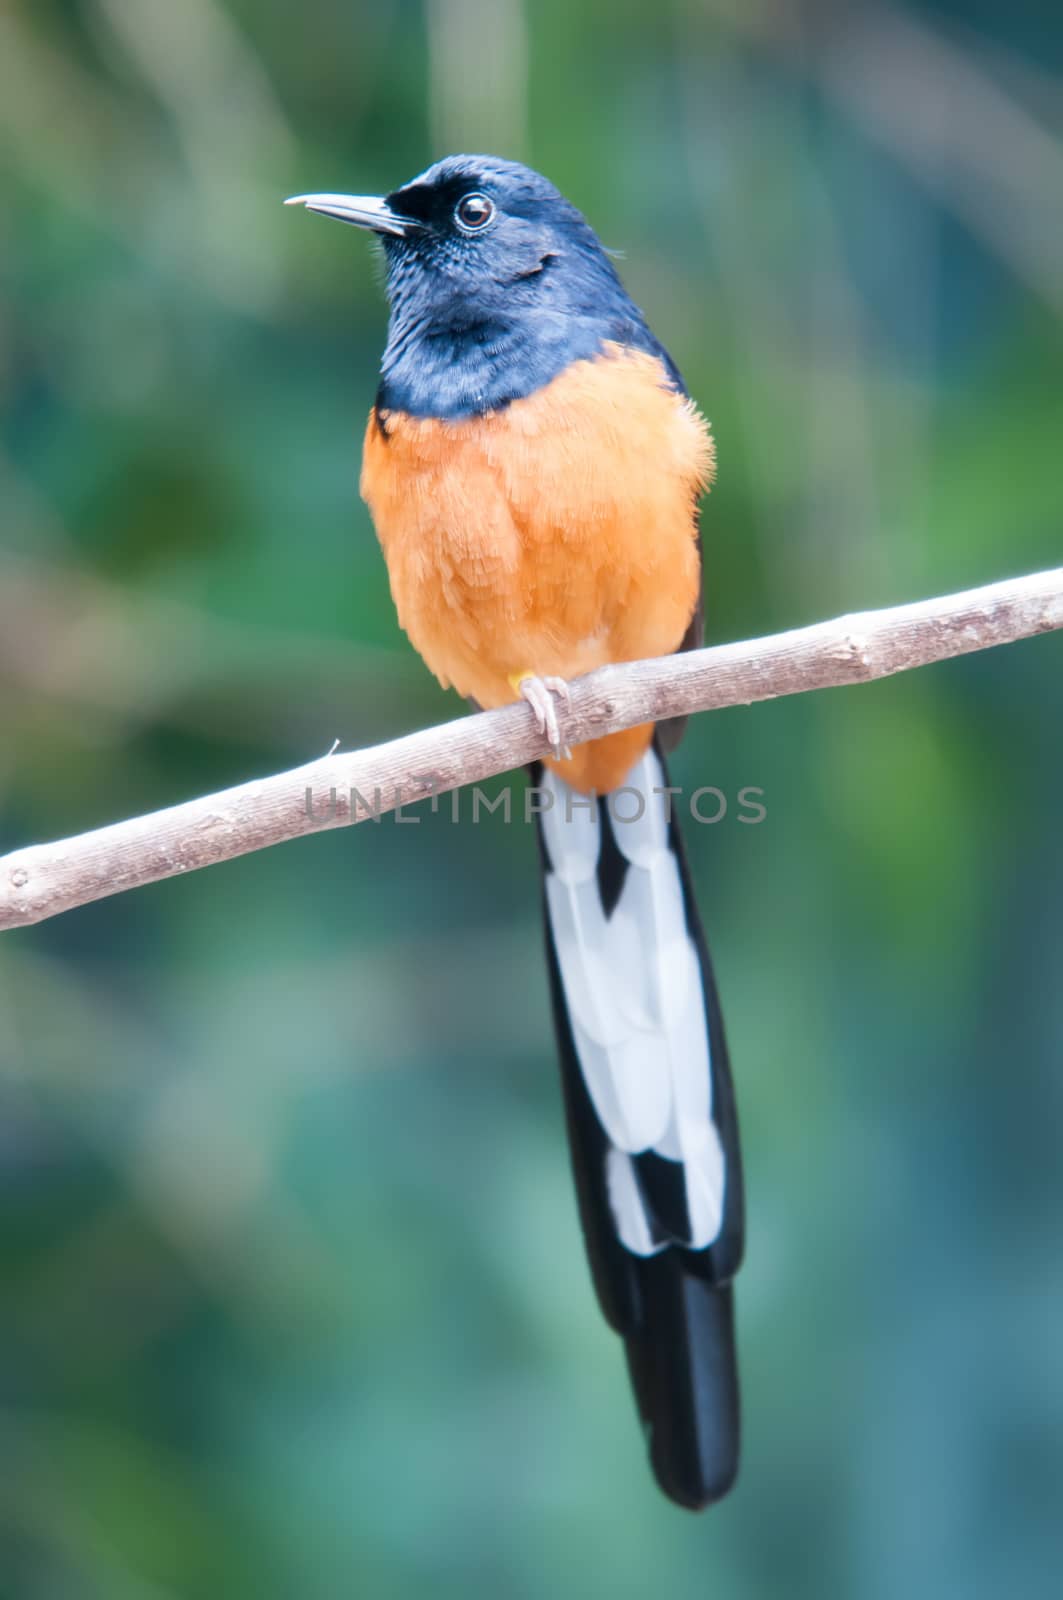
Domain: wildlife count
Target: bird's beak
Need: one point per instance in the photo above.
(363, 210)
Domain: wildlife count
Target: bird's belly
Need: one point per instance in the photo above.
(551, 537)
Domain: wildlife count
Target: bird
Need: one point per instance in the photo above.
(533, 465)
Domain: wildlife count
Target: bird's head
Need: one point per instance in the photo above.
(470, 231)
(495, 281)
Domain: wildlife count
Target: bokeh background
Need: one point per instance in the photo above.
(293, 1297)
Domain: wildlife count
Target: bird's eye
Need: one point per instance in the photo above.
(474, 212)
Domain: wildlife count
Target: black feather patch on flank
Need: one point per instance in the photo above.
(378, 419)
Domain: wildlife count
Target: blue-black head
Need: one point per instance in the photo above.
(496, 284)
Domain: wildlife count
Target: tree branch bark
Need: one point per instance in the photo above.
(42, 880)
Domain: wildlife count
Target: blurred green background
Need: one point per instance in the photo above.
(293, 1297)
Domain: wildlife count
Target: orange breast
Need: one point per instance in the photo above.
(552, 537)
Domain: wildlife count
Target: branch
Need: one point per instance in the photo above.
(42, 880)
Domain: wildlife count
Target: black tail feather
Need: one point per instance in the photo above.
(685, 1374)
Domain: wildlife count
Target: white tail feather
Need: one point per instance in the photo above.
(635, 999)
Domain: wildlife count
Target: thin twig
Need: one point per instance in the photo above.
(345, 787)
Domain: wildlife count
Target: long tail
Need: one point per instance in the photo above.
(651, 1114)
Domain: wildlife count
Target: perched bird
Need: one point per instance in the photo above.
(533, 466)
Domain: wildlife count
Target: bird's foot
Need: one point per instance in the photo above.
(542, 694)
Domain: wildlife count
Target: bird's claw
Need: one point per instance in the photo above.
(542, 695)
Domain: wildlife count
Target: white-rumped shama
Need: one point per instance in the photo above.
(533, 465)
